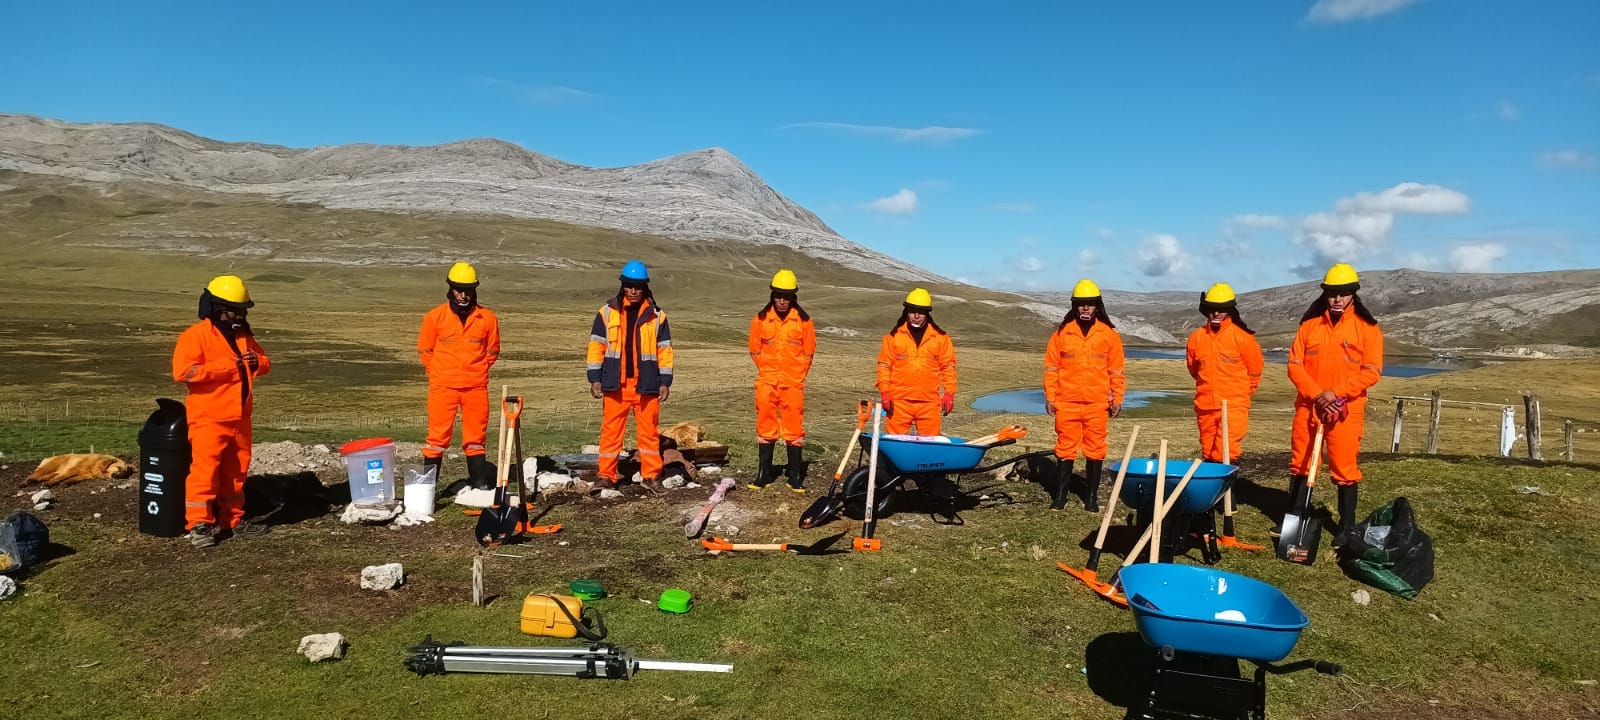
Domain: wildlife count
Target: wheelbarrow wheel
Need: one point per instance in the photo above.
(855, 494)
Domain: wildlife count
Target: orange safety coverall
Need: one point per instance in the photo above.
(1226, 364)
(1082, 378)
(457, 355)
(221, 400)
(631, 369)
(782, 348)
(915, 378)
(1347, 358)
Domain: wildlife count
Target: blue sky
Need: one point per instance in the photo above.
(1149, 145)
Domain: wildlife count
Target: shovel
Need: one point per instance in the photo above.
(1228, 540)
(1301, 532)
(500, 521)
(720, 545)
(828, 506)
(1113, 590)
(525, 498)
(1090, 574)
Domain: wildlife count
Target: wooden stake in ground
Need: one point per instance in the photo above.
(477, 580)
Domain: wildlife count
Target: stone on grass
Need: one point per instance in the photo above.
(8, 587)
(553, 480)
(42, 499)
(590, 450)
(673, 482)
(1361, 596)
(369, 514)
(326, 646)
(473, 497)
(382, 577)
(711, 469)
(610, 494)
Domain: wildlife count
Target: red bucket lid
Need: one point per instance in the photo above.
(355, 446)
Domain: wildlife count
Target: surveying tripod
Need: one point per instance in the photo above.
(597, 660)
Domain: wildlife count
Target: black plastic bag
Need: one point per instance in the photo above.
(23, 539)
(1389, 551)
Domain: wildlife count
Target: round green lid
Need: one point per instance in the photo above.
(674, 600)
(587, 589)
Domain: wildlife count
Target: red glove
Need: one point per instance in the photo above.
(888, 404)
(947, 402)
(1334, 412)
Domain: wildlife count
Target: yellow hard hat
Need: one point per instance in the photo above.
(1340, 274)
(785, 281)
(1219, 293)
(230, 289)
(463, 274)
(919, 299)
(1085, 289)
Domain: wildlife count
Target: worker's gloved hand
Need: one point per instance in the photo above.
(1333, 412)
(251, 360)
(947, 402)
(594, 389)
(888, 404)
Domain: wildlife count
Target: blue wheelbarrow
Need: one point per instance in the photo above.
(1201, 622)
(1192, 518)
(927, 463)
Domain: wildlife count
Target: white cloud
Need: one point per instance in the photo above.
(1256, 222)
(900, 203)
(1407, 197)
(1331, 12)
(931, 135)
(1477, 257)
(541, 93)
(1234, 247)
(1506, 110)
(1568, 159)
(1419, 261)
(1161, 256)
(1016, 207)
(1025, 263)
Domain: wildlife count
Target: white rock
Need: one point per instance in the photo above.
(8, 587)
(673, 482)
(382, 577)
(41, 506)
(692, 485)
(610, 494)
(97, 516)
(637, 478)
(471, 497)
(591, 450)
(326, 646)
(43, 496)
(552, 480)
(1361, 596)
(405, 520)
(712, 469)
(730, 530)
(321, 448)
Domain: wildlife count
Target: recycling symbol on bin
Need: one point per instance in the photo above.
(153, 508)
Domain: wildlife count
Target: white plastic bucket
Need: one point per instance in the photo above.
(370, 465)
(419, 489)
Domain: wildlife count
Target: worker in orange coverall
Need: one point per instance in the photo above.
(1084, 388)
(916, 370)
(219, 359)
(782, 342)
(1225, 361)
(1336, 355)
(630, 370)
(459, 342)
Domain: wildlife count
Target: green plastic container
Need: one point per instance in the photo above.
(587, 589)
(674, 600)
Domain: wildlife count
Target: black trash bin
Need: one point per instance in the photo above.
(163, 468)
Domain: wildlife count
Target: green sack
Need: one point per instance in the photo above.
(1389, 552)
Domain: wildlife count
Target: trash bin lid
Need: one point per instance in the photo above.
(674, 600)
(587, 589)
(355, 446)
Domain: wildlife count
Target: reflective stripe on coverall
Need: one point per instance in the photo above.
(782, 348)
(457, 356)
(638, 393)
(915, 377)
(219, 404)
(1083, 376)
(1226, 365)
(1346, 358)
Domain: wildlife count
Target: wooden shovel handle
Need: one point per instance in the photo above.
(1116, 489)
(1161, 512)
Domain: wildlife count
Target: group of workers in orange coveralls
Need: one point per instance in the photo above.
(1336, 355)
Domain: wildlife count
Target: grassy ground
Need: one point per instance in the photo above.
(970, 621)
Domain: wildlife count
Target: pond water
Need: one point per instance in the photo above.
(1411, 367)
(1031, 402)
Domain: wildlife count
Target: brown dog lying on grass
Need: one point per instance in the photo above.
(78, 467)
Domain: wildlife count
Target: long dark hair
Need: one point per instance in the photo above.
(902, 321)
(1320, 306)
(1099, 313)
(1231, 307)
(794, 304)
(616, 300)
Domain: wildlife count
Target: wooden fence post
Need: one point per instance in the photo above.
(1567, 431)
(1530, 404)
(1433, 424)
(1399, 412)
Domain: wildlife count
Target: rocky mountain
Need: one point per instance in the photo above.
(705, 195)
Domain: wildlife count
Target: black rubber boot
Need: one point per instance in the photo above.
(1297, 485)
(797, 469)
(1347, 513)
(1063, 482)
(1091, 482)
(480, 472)
(436, 464)
(764, 466)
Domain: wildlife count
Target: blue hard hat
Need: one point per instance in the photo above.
(635, 271)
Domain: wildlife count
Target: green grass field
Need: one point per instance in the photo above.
(971, 621)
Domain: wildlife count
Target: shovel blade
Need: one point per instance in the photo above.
(825, 509)
(498, 524)
(1300, 538)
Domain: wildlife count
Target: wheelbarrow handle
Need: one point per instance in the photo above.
(1321, 666)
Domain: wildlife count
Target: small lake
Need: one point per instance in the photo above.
(1413, 367)
(1031, 402)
